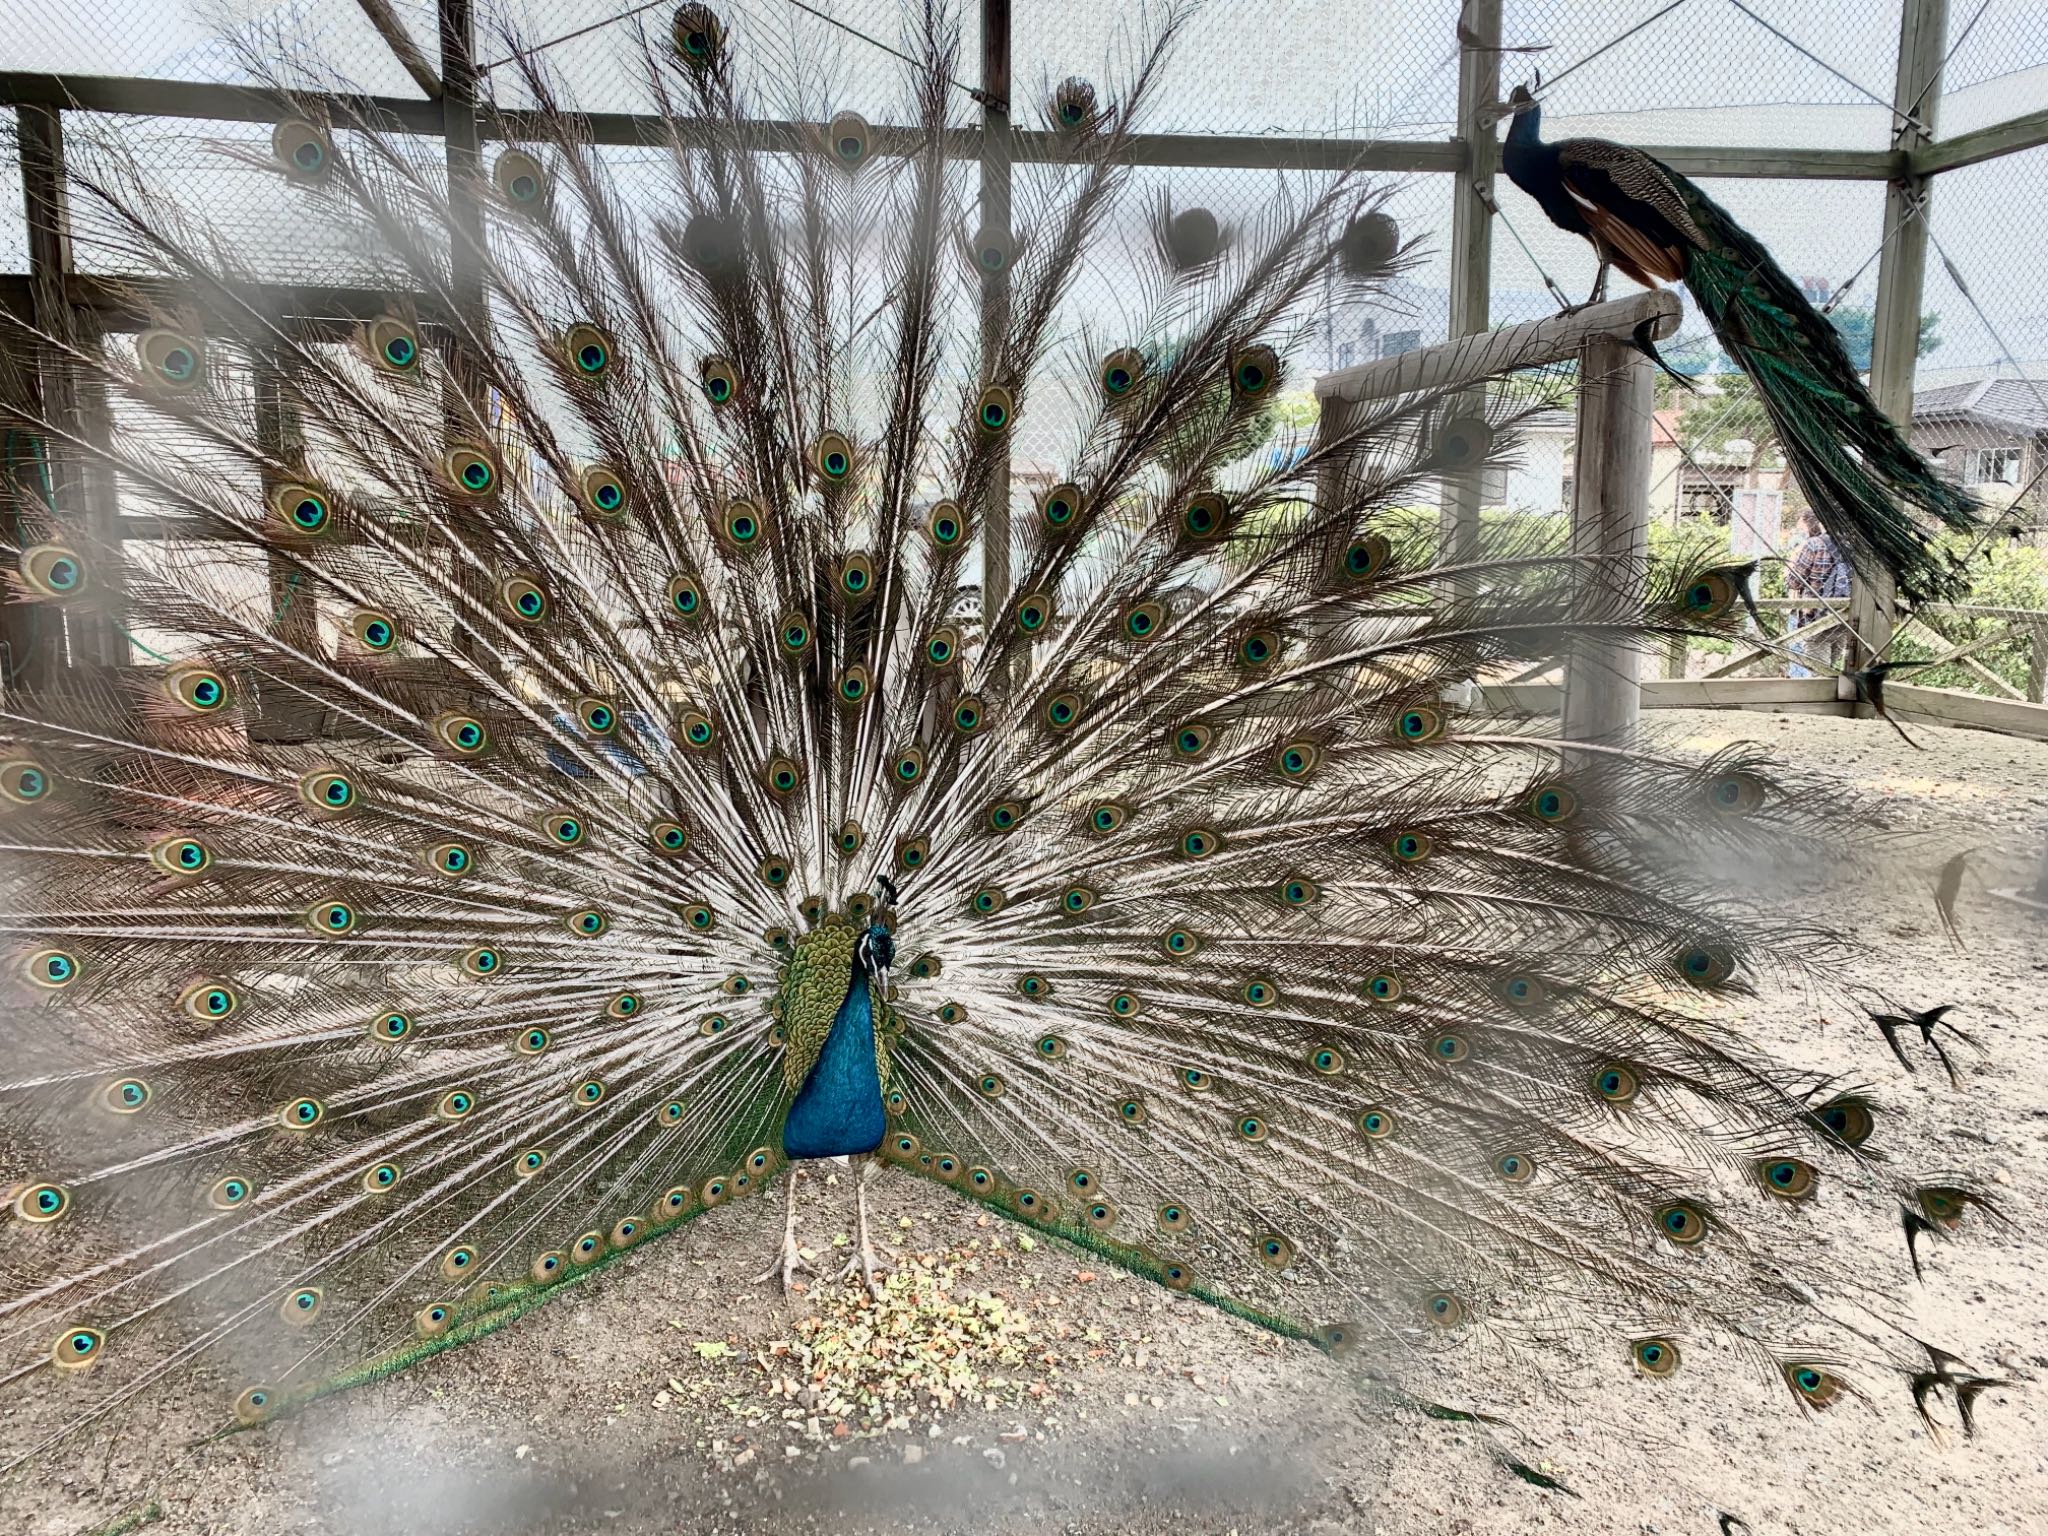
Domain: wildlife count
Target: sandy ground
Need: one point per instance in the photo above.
(667, 1394)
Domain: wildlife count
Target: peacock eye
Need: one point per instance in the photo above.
(1060, 507)
(993, 249)
(524, 599)
(588, 349)
(171, 360)
(1367, 557)
(697, 34)
(1655, 1357)
(1121, 371)
(23, 781)
(1253, 370)
(947, 524)
(603, 491)
(993, 411)
(832, 457)
(303, 151)
(520, 180)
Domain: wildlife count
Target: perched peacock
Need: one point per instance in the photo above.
(1862, 477)
(576, 780)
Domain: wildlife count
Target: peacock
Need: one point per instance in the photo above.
(1861, 476)
(632, 730)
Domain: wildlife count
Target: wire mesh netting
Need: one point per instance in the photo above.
(1996, 70)
(210, 40)
(1299, 67)
(1759, 73)
(1742, 74)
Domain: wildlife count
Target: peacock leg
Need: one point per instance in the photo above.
(1600, 280)
(792, 1262)
(1599, 287)
(864, 1259)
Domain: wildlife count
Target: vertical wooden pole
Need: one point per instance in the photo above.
(1472, 245)
(997, 166)
(1610, 524)
(467, 402)
(82, 488)
(465, 166)
(1901, 275)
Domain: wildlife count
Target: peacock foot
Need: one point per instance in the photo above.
(864, 1260)
(792, 1261)
(868, 1265)
(791, 1264)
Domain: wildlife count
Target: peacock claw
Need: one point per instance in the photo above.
(868, 1266)
(791, 1264)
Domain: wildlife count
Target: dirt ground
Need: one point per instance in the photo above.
(670, 1393)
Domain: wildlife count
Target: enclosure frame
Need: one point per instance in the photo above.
(1910, 167)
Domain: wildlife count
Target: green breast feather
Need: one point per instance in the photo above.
(808, 991)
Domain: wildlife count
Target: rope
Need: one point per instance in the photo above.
(1606, 47)
(1797, 47)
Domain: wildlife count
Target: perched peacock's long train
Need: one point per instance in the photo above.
(620, 791)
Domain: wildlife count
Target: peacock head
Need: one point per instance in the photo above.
(875, 951)
(1525, 117)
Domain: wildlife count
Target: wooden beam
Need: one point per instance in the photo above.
(2025, 132)
(250, 104)
(320, 312)
(398, 38)
(1782, 164)
(1975, 711)
(1801, 696)
(1770, 695)
(1466, 360)
(80, 486)
(187, 98)
(1242, 151)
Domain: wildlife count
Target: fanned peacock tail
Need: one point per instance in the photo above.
(394, 947)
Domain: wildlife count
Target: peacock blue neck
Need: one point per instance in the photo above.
(838, 1110)
(1526, 131)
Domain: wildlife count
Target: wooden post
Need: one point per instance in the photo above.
(82, 488)
(997, 161)
(1610, 523)
(2037, 664)
(1901, 274)
(465, 168)
(1472, 244)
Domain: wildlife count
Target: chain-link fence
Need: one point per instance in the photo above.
(1785, 108)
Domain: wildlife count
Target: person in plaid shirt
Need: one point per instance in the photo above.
(1817, 570)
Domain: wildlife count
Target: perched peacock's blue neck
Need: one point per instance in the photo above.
(838, 1110)
(1528, 161)
(1525, 130)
